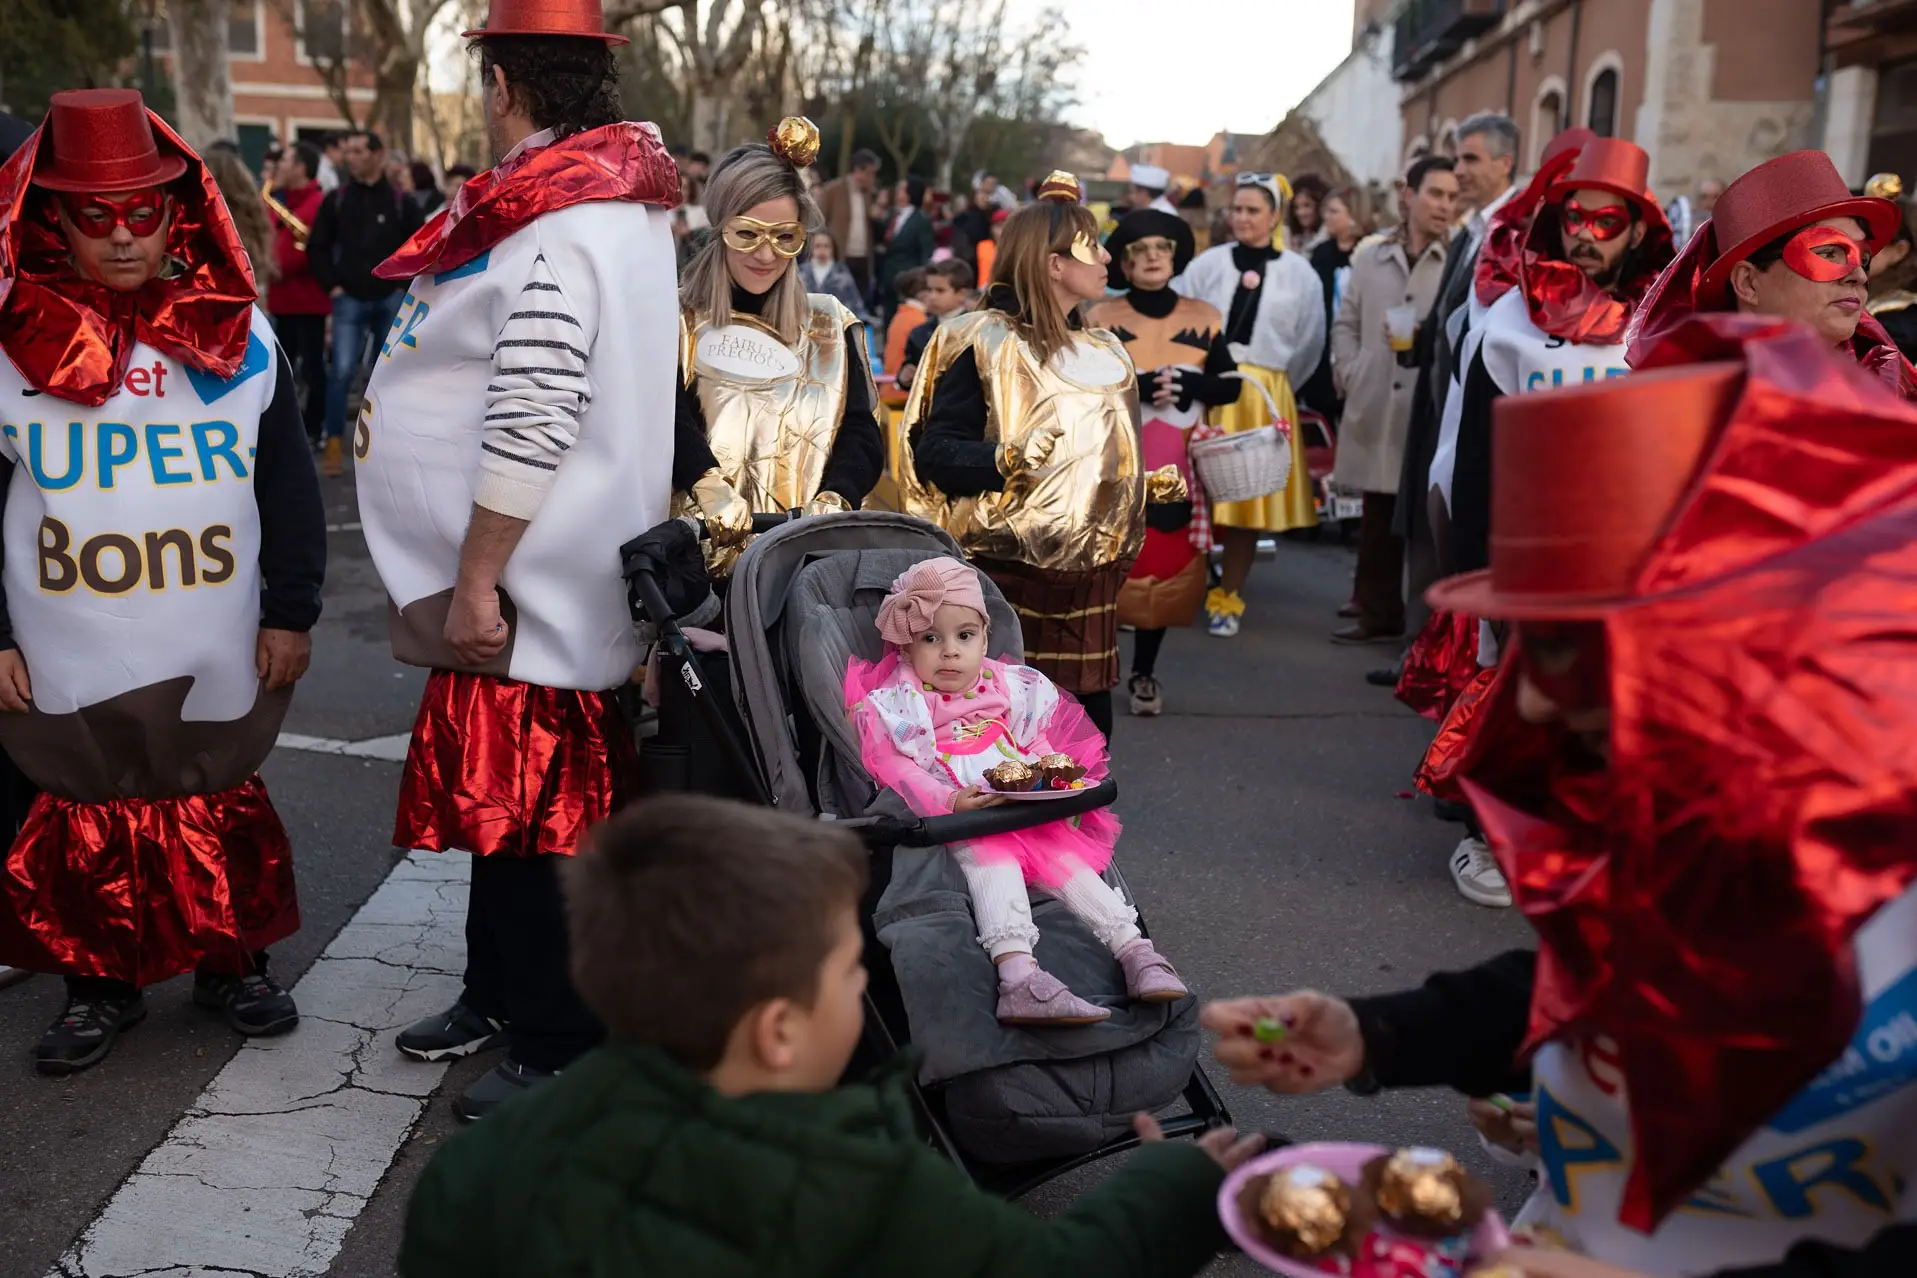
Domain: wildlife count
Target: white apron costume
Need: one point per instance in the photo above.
(1838, 1163)
(1288, 334)
(132, 571)
(420, 433)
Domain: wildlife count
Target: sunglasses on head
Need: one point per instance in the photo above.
(746, 234)
(97, 217)
(1824, 254)
(1602, 224)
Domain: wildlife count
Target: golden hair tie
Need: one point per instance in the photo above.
(795, 140)
(1061, 188)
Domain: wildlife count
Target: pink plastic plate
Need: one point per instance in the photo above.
(1028, 796)
(1343, 1159)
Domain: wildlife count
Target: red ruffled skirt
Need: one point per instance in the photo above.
(141, 890)
(1441, 662)
(503, 768)
(1451, 749)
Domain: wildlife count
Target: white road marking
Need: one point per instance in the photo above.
(266, 1171)
(392, 748)
(347, 527)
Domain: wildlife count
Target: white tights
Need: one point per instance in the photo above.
(1003, 906)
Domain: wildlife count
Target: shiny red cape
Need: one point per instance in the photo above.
(1671, 304)
(73, 338)
(1565, 302)
(1441, 661)
(1697, 902)
(623, 161)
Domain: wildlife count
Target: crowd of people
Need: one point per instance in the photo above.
(1638, 507)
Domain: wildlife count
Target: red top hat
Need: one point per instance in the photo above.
(1781, 195)
(1583, 482)
(583, 18)
(101, 140)
(1607, 164)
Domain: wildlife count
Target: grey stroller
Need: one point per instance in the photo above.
(1013, 1106)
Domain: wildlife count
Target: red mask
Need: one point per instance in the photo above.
(97, 217)
(1824, 254)
(1604, 224)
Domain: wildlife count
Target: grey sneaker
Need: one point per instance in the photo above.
(82, 1035)
(457, 1031)
(498, 1085)
(1147, 698)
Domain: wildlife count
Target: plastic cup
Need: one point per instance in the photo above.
(1401, 324)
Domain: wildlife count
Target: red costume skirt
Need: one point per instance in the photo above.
(1441, 662)
(503, 768)
(143, 889)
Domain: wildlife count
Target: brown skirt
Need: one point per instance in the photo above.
(1070, 620)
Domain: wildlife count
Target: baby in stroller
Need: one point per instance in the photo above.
(933, 716)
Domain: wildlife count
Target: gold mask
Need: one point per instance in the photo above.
(746, 234)
(1085, 248)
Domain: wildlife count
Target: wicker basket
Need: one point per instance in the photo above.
(1246, 464)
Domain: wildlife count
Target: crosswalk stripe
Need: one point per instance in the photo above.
(266, 1171)
(391, 748)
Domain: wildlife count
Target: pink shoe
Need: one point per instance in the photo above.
(1042, 999)
(1149, 977)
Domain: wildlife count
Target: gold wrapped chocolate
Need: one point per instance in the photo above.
(1165, 485)
(1424, 1191)
(1012, 776)
(1057, 766)
(1306, 1205)
(796, 140)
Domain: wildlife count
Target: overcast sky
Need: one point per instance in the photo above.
(1181, 70)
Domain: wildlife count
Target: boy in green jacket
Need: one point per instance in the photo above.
(708, 1138)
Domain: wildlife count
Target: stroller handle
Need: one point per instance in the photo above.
(928, 832)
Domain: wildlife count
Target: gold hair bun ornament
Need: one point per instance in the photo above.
(1885, 186)
(1061, 188)
(795, 140)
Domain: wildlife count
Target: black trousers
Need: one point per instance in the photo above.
(1380, 584)
(108, 987)
(516, 961)
(1098, 708)
(303, 338)
(861, 268)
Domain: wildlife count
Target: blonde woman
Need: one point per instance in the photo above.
(1022, 441)
(776, 401)
(1274, 312)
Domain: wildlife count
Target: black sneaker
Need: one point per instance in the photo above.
(82, 1035)
(253, 1004)
(457, 1031)
(498, 1085)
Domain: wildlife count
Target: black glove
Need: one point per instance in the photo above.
(671, 555)
(1167, 516)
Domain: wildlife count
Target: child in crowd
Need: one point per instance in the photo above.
(948, 291)
(906, 319)
(933, 717)
(720, 946)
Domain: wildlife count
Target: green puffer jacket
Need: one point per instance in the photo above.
(627, 1166)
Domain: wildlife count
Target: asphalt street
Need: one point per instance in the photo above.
(1268, 841)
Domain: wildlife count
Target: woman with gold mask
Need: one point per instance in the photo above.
(1274, 312)
(776, 400)
(1021, 439)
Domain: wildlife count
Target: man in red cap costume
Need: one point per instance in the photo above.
(1787, 239)
(1594, 245)
(1705, 797)
(517, 429)
(164, 546)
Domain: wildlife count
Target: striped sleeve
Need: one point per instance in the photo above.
(538, 390)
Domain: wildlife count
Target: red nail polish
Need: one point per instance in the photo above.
(1265, 1054)
(1304, 1071)
(1244, 1028)
(1284, 1058)
(1291, 1022)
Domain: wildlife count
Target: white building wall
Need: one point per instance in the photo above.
(1355, 109)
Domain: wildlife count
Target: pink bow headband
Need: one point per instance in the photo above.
(920, 591)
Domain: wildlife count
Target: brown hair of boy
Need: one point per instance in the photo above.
(910, 283)
(959, 274)
(686, 912)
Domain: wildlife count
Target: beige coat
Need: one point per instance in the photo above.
(1378, 390)
(836, 203)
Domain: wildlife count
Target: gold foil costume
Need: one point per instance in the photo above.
(773, 434)
(1084, 506)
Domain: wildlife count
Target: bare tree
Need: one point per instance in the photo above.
(708, 44)
(202, 86)
(388, 36)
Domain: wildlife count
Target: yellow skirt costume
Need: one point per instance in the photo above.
(1293, 505)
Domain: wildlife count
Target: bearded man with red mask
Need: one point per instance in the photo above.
(164, 545)
(1699, 776)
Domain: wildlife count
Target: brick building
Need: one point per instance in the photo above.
(1708, 87)
(278, 92)
(1872, 45)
